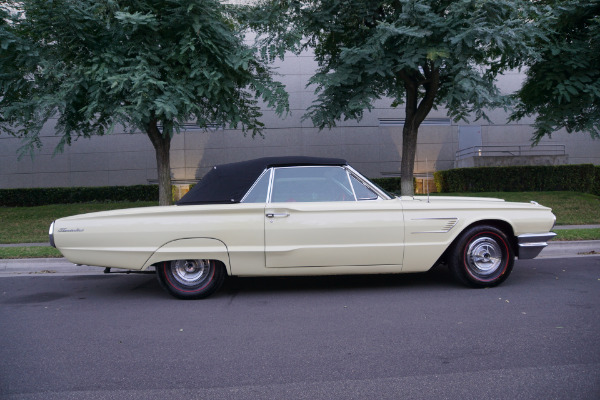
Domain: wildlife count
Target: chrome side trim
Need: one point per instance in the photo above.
(447, 227)
(531, 244)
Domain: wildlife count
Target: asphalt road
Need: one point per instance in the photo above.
(420, 336)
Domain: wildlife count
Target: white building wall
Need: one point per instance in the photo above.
(375, 150)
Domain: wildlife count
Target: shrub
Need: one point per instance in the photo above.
(596, 186)
(388, 184)
(391, 185)
(577, 178)
(62, 195)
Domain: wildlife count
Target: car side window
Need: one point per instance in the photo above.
(362, 192)
(311, 184)
(258, 192)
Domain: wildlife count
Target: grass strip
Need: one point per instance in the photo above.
(577, 234)
(29, 252)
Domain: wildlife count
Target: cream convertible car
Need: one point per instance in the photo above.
(304, 216)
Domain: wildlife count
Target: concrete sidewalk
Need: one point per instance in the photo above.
(559, 227)
(567, 249)
(62, 267)
(46, 267)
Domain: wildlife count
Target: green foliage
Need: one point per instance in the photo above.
(372, 49)
(562, 88)
(420, 53)
(577, 178)
(147, 65)
(96, 64)
(44, 196)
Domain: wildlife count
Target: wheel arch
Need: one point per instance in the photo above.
(192, 249)
(502, 225)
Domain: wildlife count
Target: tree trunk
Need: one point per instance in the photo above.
(409, 152)
(410, 131)
(162, 148)
(415, 114)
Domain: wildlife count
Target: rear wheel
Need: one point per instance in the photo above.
(481, 257)
(191, 279)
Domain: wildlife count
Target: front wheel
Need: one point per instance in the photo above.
(481, 257)
(191, 279)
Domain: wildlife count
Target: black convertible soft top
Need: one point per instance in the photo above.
(228, 183)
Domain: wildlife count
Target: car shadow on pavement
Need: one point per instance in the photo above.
(438, 276)
(119, 287)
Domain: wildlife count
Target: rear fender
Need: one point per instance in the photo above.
(191, 249)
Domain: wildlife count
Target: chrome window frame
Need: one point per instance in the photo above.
(349, 172)
(268, 170)
(367, 188)
(382, 195)
(343, 167)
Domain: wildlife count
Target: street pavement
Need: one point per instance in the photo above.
(411, 336)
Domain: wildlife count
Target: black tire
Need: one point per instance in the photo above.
(482, 256)
(191, 279)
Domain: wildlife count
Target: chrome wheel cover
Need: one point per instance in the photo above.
(483, 256)
(191, 272)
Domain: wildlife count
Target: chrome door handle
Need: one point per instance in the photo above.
(277, 215)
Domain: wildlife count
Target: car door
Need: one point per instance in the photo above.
(314, 218)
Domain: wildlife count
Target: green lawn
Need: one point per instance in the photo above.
(570, 208)
(30, 224)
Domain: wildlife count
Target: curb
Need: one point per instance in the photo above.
(62, 267)
(45, 267)
(568, 249)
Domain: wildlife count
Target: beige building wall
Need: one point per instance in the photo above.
(373, 145)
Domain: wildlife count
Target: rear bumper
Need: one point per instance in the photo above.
(531, 244)
(51, 235)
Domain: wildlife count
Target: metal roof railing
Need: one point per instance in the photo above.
(523, 150)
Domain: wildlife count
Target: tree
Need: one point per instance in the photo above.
(562, 88)
(149, 65)
(420, 53)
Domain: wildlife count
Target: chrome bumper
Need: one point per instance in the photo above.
(51, 234)
(531, 244)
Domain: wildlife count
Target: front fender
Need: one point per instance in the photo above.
(191, 249)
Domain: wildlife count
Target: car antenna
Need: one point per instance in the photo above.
(427, 178)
